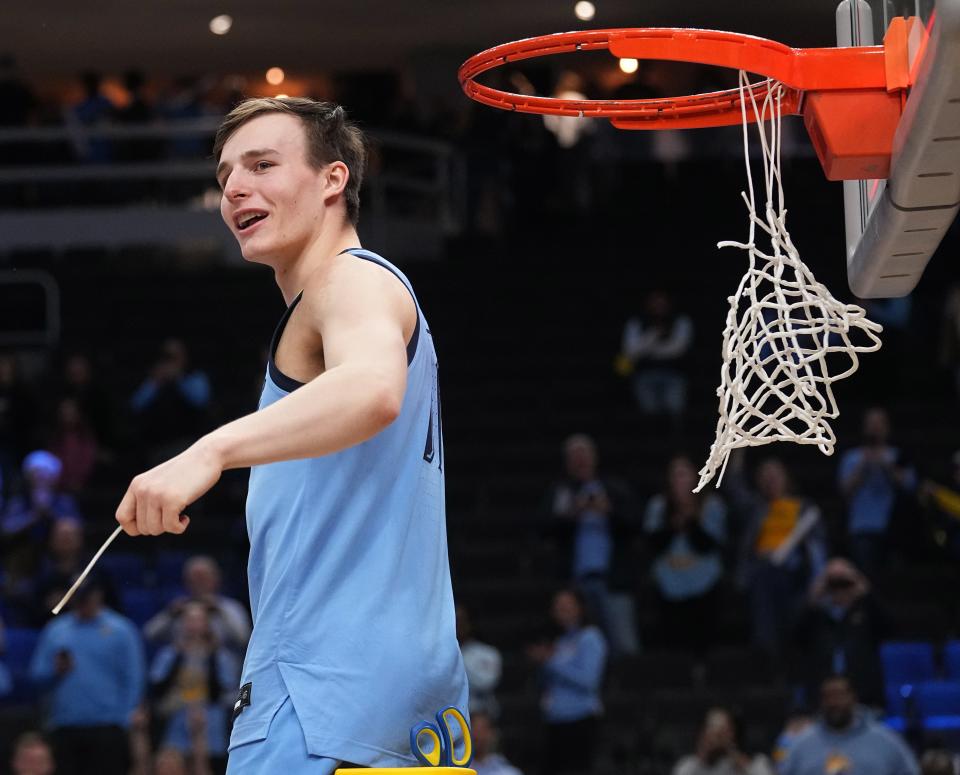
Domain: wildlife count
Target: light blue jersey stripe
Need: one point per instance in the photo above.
(350, 581)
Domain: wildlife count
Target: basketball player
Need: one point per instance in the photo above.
(354, 637)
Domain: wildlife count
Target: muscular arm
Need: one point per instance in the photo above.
(363, 315)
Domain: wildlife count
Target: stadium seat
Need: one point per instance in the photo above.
(907, 662)
(938, 703)
(169, 567)
(139, 604)
(21, 642)
(951, 660)
(124, 570)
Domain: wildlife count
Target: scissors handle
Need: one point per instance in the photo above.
(444, 717)
(434, 744)
(435, 754)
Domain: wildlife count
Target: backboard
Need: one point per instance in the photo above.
(894, 226)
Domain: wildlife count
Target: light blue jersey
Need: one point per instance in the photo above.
(350, 580)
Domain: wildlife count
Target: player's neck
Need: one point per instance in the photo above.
(292, 278)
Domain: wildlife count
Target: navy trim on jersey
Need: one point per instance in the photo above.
(289, 384)
(280, 379)
(366, 255)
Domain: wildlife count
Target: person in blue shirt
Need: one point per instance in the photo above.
(846, 741)
(91, 662)
(870, 478)
(354, 637)
(686, 533)
(571, 675)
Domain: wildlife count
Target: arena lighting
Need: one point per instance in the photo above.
(220, 25)
(629, 65)
(584, 10)
(282, 97)
(275, 76)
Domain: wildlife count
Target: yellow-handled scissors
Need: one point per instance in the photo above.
(442, 749)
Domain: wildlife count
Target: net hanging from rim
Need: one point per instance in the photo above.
(782, 325)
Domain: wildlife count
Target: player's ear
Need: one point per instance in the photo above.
(337, 175)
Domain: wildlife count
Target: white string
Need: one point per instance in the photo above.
(782, 324)
(66, 598)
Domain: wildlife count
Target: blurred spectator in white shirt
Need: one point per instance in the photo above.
(483, 664)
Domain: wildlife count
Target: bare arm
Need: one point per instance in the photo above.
(362, 313)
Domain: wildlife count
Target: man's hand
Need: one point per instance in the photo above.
(155, 501)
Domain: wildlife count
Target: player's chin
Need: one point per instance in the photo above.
(255, 252)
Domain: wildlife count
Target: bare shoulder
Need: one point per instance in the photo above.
(352, 286)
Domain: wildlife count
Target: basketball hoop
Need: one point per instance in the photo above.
(782, 324)
(821, 84)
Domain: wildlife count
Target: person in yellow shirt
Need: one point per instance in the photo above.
(782, 547)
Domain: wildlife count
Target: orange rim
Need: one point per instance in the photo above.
(798, 69)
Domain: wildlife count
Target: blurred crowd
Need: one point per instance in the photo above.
(139, 680)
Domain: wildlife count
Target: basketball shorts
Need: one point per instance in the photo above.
(283, 751)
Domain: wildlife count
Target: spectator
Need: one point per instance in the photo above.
(938, 761)
(870, 477)
(229, 619)
(572, 182)
(137, 110)
(686, 532)
(589, 517)
(184, 103)
(94, 109)
(171, 403)
(63, 561)
(91, 661)
(655, 347)
(75, 444)
(486, 760)
(571, 673)
(81, 383)
(847, 740)
(782, 548)
(718, 750)
(798, 722)
(27, 520)
(840, 631)
(195, 676)
(483, 664)
(31, 756)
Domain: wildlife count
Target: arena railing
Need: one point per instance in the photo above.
(410, 207)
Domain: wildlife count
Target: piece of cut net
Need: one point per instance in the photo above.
(785, 332)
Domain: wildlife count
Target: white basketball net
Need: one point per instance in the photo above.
(781, 326)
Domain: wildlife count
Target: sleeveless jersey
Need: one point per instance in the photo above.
(350, 580)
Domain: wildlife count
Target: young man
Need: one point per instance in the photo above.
(354, 638)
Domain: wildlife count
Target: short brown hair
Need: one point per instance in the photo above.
(331, 136)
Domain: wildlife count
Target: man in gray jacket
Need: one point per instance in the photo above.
(845, 741)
